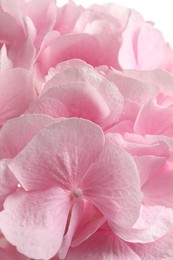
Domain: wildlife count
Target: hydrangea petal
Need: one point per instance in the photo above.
(102, 245)
(153, 223)
(17, 91)
(35, 221)
(160, 249)
(8, 182)
(107, 185)
(154, 119)
(158, 190)
(27, 125)
(74, 144)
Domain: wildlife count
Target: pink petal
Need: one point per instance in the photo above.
(128, 50)
(27, 126)
(154, 119)
(158, 190)
(74, 220)
(35, 221)
(80, 46)
(91, 220)
(37, 9)
(15, 34)
(140, 41)
(160, 78)
(133, 90)
(153, 223)
(67, 66)
(67, 17)
(74, 144)
(103, 245)
(160, 249)
(79, 99)
(23, 55)
(85, 220)
(5, 62)
(9, 252)
(138, 145)
(49, 105)
(107, 185)
(151, 43)
(111, 10)
(13, 8)
(8, 182)
(149, 165)
(80, 91)
(17, 91)
(6, 254)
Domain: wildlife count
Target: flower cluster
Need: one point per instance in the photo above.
(86, 134)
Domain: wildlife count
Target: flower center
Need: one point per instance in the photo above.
(77, 192)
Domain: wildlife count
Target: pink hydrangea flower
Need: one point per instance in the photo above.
(86, 133)
(59, 182)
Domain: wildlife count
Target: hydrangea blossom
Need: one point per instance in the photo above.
(86, 133)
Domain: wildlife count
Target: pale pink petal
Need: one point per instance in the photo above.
(17, 91)
(9, 252)
(84, 221)
(80, 46)
(138, 145)
(79, 99)
(140, 41)
(5, 62)
(27, 126)
(15, 34)
(74, 218)
(91, 96)
(160, 78)
(36, 10)
(30, 28)
(151, 44)
(74, 144)
(103, 245)
(133, 90)
(35, 221)
(120, 127)
(8, 182)
(23, 55)
(48, 105)
(128, 50)
(154, 119)
(153, 223)
(119, 14)
(62, 68)
(13, 8)
(91, 220)
(67, 17)
(107, 185)
(73, 71)
(158, 190)
(149, 165)
(160, 249)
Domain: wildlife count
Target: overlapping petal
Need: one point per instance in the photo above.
(35, 221)
(17, 91)
(74, 144)
(102, 245)
(107, 185)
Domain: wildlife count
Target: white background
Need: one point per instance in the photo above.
(158, 11)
